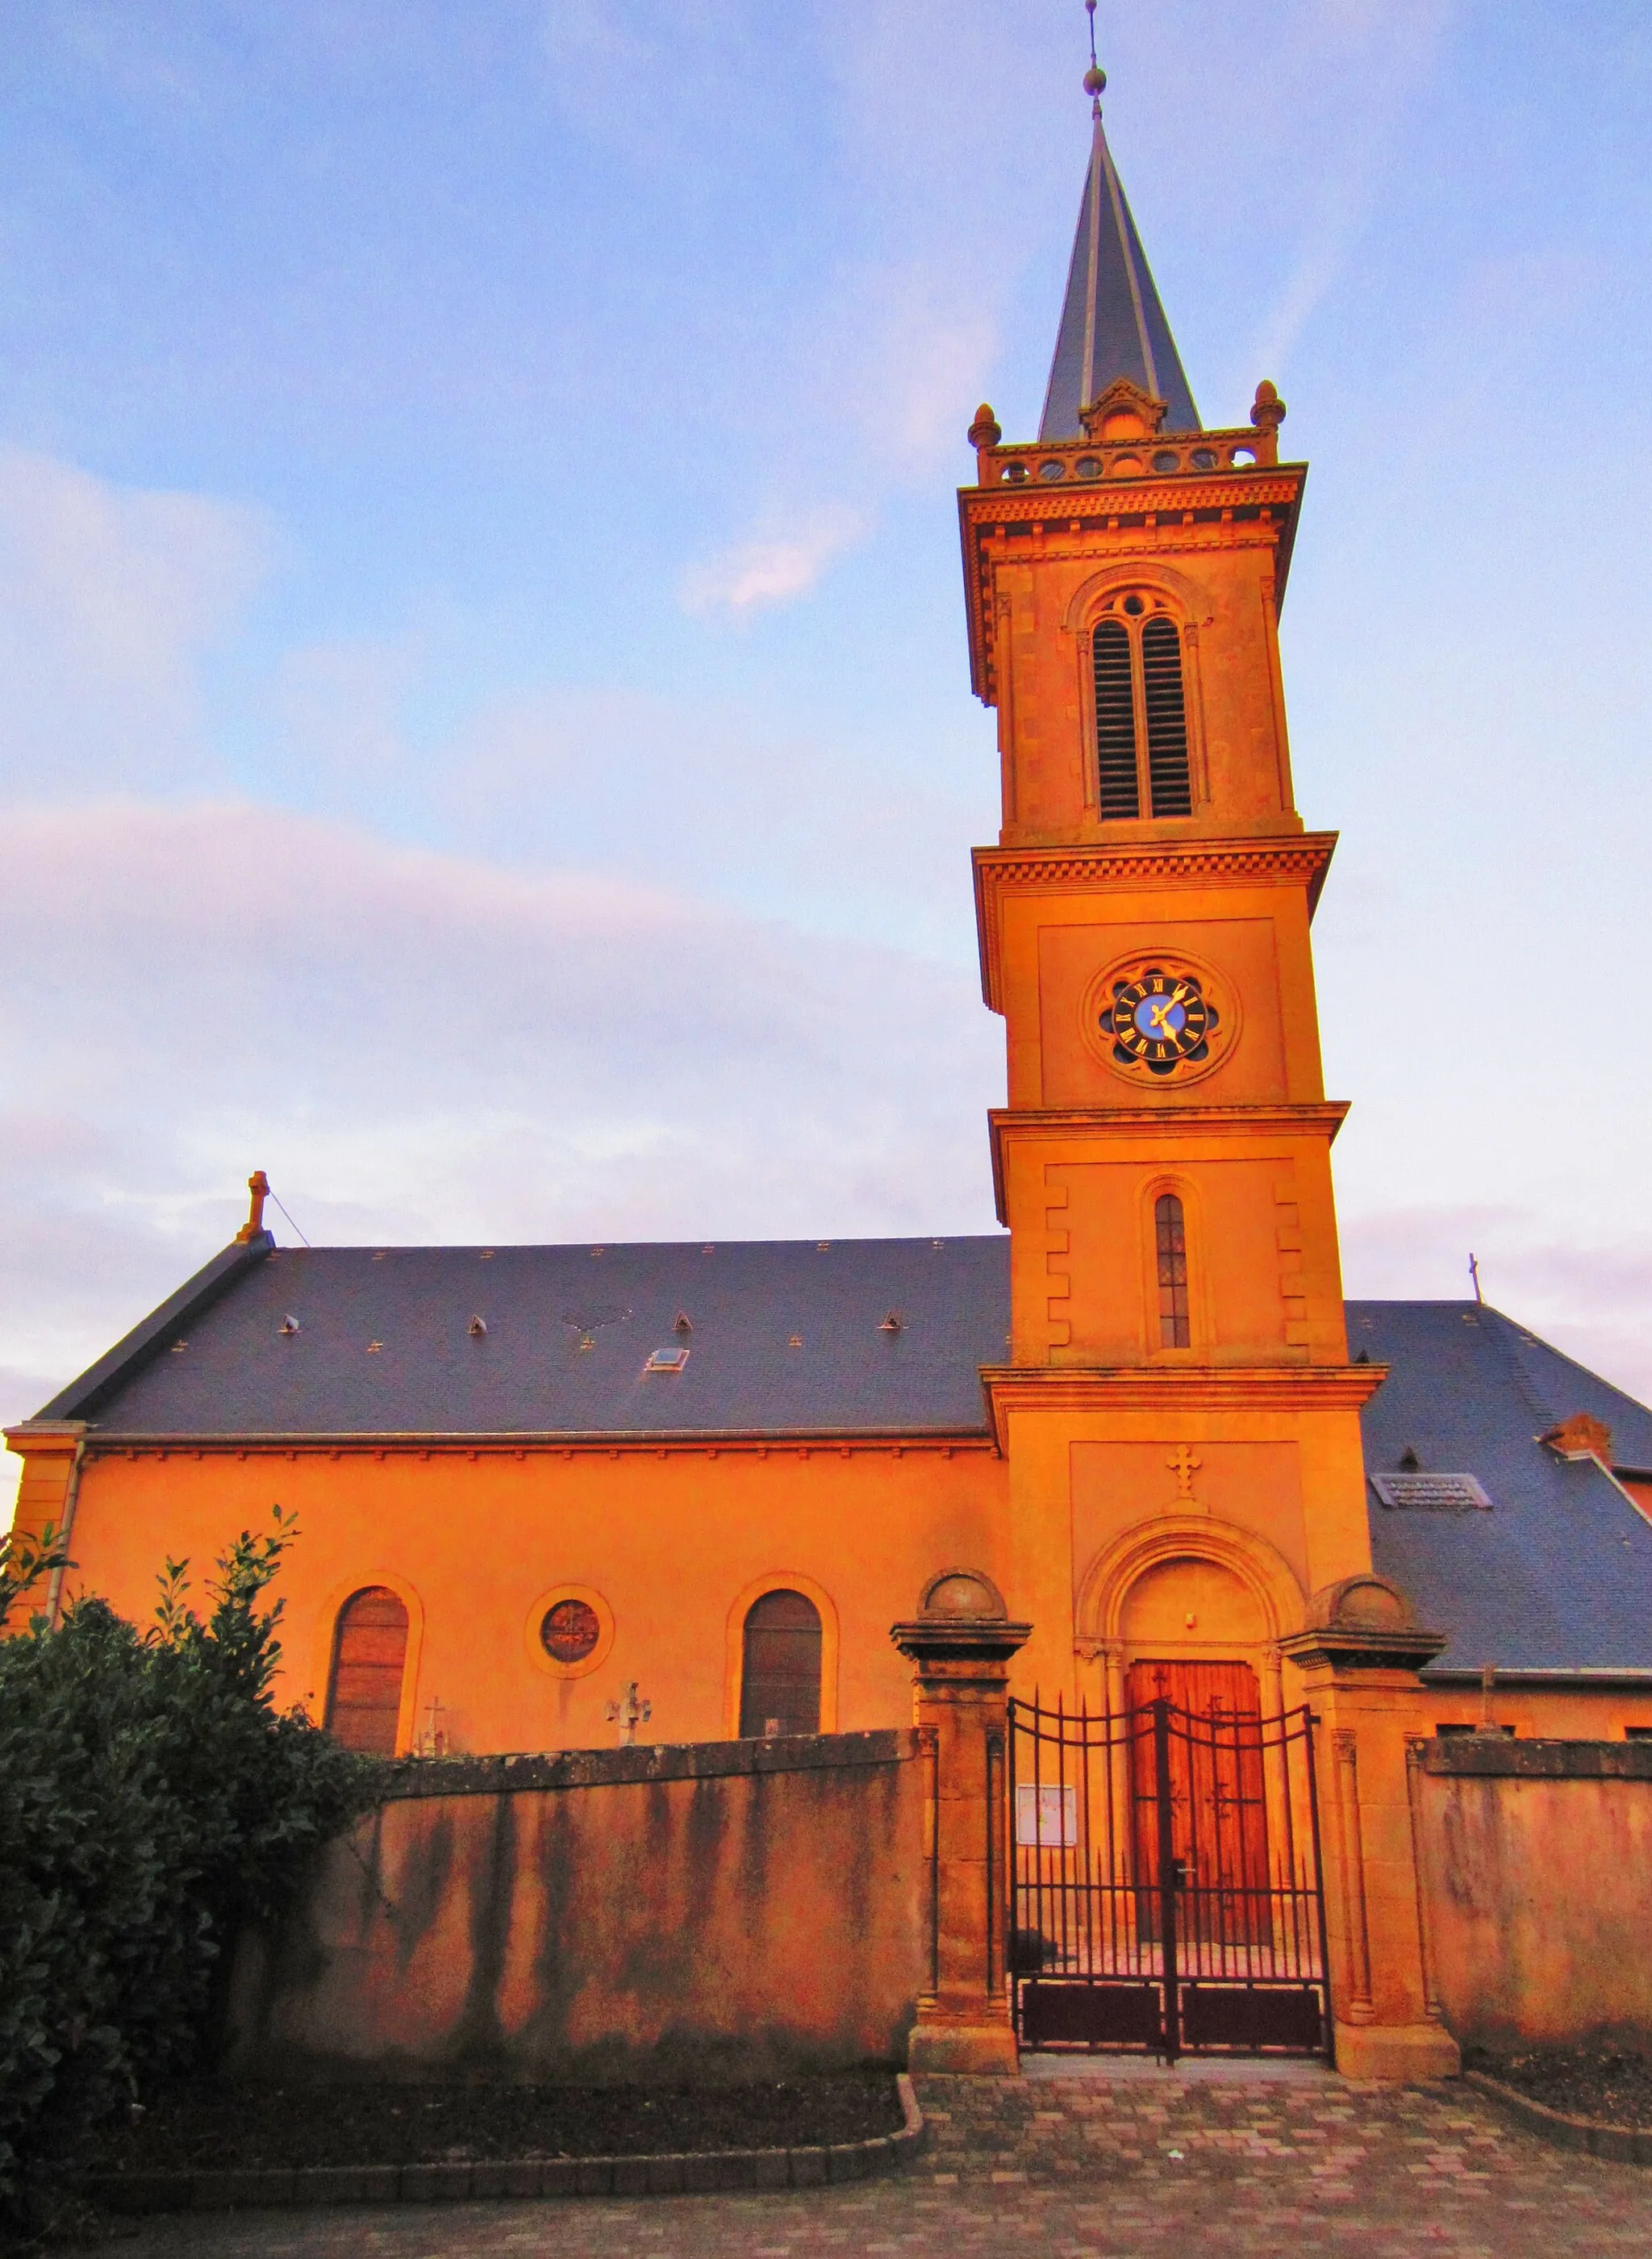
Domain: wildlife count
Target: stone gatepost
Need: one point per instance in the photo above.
(1359, 1658)
(960, 1645)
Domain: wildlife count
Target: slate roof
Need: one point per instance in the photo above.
(1558, 1575)
(528, 1374)
(1112, 322)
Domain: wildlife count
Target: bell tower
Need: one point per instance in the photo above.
(1177, 1388)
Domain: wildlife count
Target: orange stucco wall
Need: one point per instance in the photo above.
(740, 1913)
(1539, 1896)
(674, 1543)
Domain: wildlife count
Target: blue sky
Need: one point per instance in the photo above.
(484, 724)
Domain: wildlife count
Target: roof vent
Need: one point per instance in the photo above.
(1417, 1493)
(1409, 1462)
(795, 1341)
(821, 1246)
(288, 1324)
(373, 1348)
(682, 1323)
(894, 1323)
(667, 1360)
(477, 1327)
(178, 1346)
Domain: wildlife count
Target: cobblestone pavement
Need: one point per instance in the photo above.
(1130, 2168)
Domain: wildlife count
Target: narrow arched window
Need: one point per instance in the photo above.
(369, 1656)
(1171, 1231)
(1169, 785)
(1142, 764)
(780, 1676)
(1119, 788)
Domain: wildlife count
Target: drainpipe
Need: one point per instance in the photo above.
(71, 1494)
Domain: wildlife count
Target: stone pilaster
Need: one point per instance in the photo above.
(960, 1645)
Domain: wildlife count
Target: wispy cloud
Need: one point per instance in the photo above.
(773, 568)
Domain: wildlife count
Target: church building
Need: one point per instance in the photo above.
(549, 1495)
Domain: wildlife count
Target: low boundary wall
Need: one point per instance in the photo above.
(727, 1909)
(1536, 1878)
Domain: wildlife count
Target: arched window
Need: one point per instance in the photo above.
(1140, 716)
(779, 1673)
(1171, 1230)
(369, 1654)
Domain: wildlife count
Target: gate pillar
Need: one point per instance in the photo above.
(1359, 1658)
(960, 1645)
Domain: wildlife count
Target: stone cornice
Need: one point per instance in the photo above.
(1241, 506)
(446, 1443)
(1290, 859)
(1160, 1122)
(1072, 1388)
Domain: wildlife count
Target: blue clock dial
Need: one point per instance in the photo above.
(1159, 1021)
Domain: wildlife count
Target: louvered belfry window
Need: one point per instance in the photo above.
(1141, 716)
(1171, 1230)
(369, 1654)
(779, 1679)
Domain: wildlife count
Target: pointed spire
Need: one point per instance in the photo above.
(1112, 323)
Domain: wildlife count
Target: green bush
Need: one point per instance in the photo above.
(152, 1798)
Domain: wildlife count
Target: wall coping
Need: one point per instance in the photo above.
(1506, 1756)
(496, 1775)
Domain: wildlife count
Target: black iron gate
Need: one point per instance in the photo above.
(1166, 1892)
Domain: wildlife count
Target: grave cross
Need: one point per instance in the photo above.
(628, 1713)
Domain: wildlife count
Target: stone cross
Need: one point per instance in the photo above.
(628, 1713)
(1184, 1466)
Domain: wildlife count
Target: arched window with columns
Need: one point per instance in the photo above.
(1144, 764)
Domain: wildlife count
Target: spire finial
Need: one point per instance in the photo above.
(1095, 78)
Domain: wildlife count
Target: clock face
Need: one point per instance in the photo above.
(1159, 1021)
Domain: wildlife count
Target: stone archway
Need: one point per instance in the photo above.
(1240, 1591)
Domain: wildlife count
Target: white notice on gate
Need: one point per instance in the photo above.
(1048, 1818)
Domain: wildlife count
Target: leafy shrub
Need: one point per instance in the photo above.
(152, 1798)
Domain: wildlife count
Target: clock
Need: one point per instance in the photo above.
(1160, 1019)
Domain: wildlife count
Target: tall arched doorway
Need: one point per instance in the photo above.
(1194, 1633)
(369, 1660)
(781, 1666)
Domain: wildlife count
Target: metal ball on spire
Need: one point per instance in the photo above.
(1095, 78)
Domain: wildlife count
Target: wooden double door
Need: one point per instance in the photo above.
(1206, 1766)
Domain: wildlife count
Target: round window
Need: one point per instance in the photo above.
(570, 1631)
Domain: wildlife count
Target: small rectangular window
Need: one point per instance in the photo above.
(1637, 1732)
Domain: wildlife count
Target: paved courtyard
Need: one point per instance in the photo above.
(1127, 2166)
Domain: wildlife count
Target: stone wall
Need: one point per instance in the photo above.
(1537, 1883)
(730, 1909)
